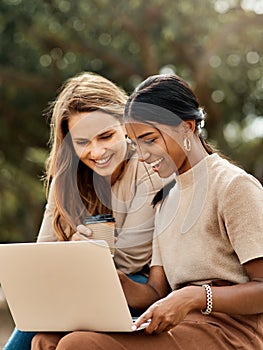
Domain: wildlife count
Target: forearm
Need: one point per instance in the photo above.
(168, 312)
(140, 296)
(239, 299)
(242, 299)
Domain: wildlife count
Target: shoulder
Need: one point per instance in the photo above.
(233, 182)
(224, 172)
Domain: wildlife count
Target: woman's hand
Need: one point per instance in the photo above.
(83, 233)
(168, 312)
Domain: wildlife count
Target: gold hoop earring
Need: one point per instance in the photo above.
(187, 144)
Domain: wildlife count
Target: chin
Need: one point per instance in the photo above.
(166, 174)
(163, 176)
(103, 173)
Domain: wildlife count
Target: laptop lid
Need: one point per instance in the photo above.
(63, 286)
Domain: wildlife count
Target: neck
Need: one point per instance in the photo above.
(118, 172)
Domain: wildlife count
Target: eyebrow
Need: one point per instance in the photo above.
(146, 134)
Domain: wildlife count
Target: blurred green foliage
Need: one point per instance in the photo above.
(216, 45)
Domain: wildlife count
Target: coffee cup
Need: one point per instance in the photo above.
(103, 228)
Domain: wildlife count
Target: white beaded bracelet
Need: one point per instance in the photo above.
(209, 300)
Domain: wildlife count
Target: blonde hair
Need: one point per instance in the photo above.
(72, 181)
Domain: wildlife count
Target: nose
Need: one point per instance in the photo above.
(143, 156)
(96, 151)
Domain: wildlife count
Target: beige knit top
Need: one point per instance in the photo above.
(132, 195)
(210, 224)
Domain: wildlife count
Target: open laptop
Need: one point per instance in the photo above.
(63, 286)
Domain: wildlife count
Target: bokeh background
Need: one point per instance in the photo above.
(216, 45)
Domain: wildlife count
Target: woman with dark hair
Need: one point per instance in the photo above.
(205, 288)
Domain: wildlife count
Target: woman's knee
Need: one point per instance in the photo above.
(71, 341)
(36, 342)
(84, 341)
(45, 341)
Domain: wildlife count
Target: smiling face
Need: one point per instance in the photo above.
(99, 141)
(161, 146)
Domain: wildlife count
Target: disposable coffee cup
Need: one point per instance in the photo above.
(103, 228)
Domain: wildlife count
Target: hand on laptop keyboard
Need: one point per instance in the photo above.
(142, 326)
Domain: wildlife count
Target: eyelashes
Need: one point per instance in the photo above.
(101, 137)
(150, 141)
(104, 137)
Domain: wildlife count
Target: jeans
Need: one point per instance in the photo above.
(20, 340)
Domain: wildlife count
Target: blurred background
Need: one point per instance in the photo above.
(216, 45)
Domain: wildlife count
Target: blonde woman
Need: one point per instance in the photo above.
(92, 169)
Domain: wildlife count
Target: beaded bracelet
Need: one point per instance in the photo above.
(209, 300)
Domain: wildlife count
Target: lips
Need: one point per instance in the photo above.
(102, 162)
(156, 163)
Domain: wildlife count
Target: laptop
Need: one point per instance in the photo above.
(63, 286)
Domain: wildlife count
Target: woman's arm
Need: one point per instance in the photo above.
(46, 232)
(239, 299)
(242, 299)
(139, 295)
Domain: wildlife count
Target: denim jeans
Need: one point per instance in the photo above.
(20, 340)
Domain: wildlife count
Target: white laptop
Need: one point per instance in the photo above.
(63, 286)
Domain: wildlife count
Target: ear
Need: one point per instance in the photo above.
(189, 125)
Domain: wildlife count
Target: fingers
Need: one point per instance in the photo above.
(142, 319)
(161, 327)
(84, 231)
(158, 320)
(161, 323)
(154, 324)
(78, 237)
